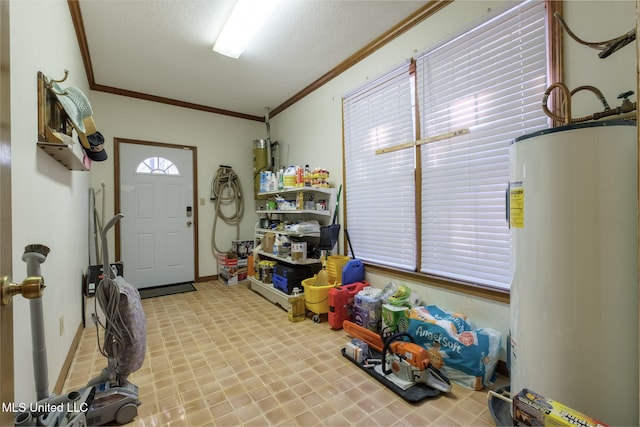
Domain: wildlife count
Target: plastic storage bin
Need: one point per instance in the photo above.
(335, 263)
(316, 298)
(285, 277)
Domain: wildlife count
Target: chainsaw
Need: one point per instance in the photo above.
(407, 361)
(410, 362)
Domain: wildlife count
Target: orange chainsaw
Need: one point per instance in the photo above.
(407, 361)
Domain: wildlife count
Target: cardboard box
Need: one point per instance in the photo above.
(299, 251)
(228, 268)
(243, 269)
(267, 242)
(532, 409)
(395, 318)
(242, 248)
(228, 259)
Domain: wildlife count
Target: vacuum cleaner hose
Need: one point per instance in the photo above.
(226, 190)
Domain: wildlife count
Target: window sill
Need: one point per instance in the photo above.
(462, 287)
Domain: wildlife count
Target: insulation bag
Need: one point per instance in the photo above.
(465, 354)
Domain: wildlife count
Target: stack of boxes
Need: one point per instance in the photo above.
(244, 250)
(233, 266)
(228, 268)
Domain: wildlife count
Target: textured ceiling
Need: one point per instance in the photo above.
(164, 48)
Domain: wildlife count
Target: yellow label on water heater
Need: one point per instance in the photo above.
(516, 204)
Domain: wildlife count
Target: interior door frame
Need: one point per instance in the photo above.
(194, 178)
(7, 392)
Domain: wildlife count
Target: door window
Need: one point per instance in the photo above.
(157, 165)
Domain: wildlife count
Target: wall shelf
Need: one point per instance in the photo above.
(288, 260)
(54, 126)
(63, 154)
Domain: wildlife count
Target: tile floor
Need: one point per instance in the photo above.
(225, 356)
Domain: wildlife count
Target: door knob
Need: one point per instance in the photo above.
(189, 223)
(30, 288)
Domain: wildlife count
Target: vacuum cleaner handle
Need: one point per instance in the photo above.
(105, 249)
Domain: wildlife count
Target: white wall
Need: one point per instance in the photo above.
(596, 21)
(313, 127)
(49, 202)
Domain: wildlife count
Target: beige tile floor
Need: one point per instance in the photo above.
(225, 356)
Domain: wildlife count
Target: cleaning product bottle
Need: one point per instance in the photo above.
(273, 182)
(322, 278)
(281, 179)
(297, 309)
(299, 176)
(290, 177)
(307, 176)
(300, 201)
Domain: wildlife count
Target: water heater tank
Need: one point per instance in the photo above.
(573, 213)
(261, 155)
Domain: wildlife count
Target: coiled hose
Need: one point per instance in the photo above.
(226, 190)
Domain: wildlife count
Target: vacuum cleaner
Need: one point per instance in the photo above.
(110, 397)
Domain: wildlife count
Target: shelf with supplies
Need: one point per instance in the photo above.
(325, 190)
(294, 211)
(286, 239)
(287, 232)
(288, 260)
(279, 221)
(315, 201)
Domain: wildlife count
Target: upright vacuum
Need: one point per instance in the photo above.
(110, 397)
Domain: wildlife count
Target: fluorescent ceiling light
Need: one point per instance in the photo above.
(244, 22)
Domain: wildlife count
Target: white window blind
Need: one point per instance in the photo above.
(380, 189)
(490, 80)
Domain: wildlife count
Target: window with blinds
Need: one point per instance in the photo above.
(487, 80)
(380, 189)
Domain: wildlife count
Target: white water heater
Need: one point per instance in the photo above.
(573, 213)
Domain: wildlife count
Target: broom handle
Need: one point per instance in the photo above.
(335, 212)
(346, 233)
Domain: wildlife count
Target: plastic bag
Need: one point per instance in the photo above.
(466, 355)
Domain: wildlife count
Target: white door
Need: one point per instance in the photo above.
(156, 199)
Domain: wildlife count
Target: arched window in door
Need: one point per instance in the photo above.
(157, 165)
